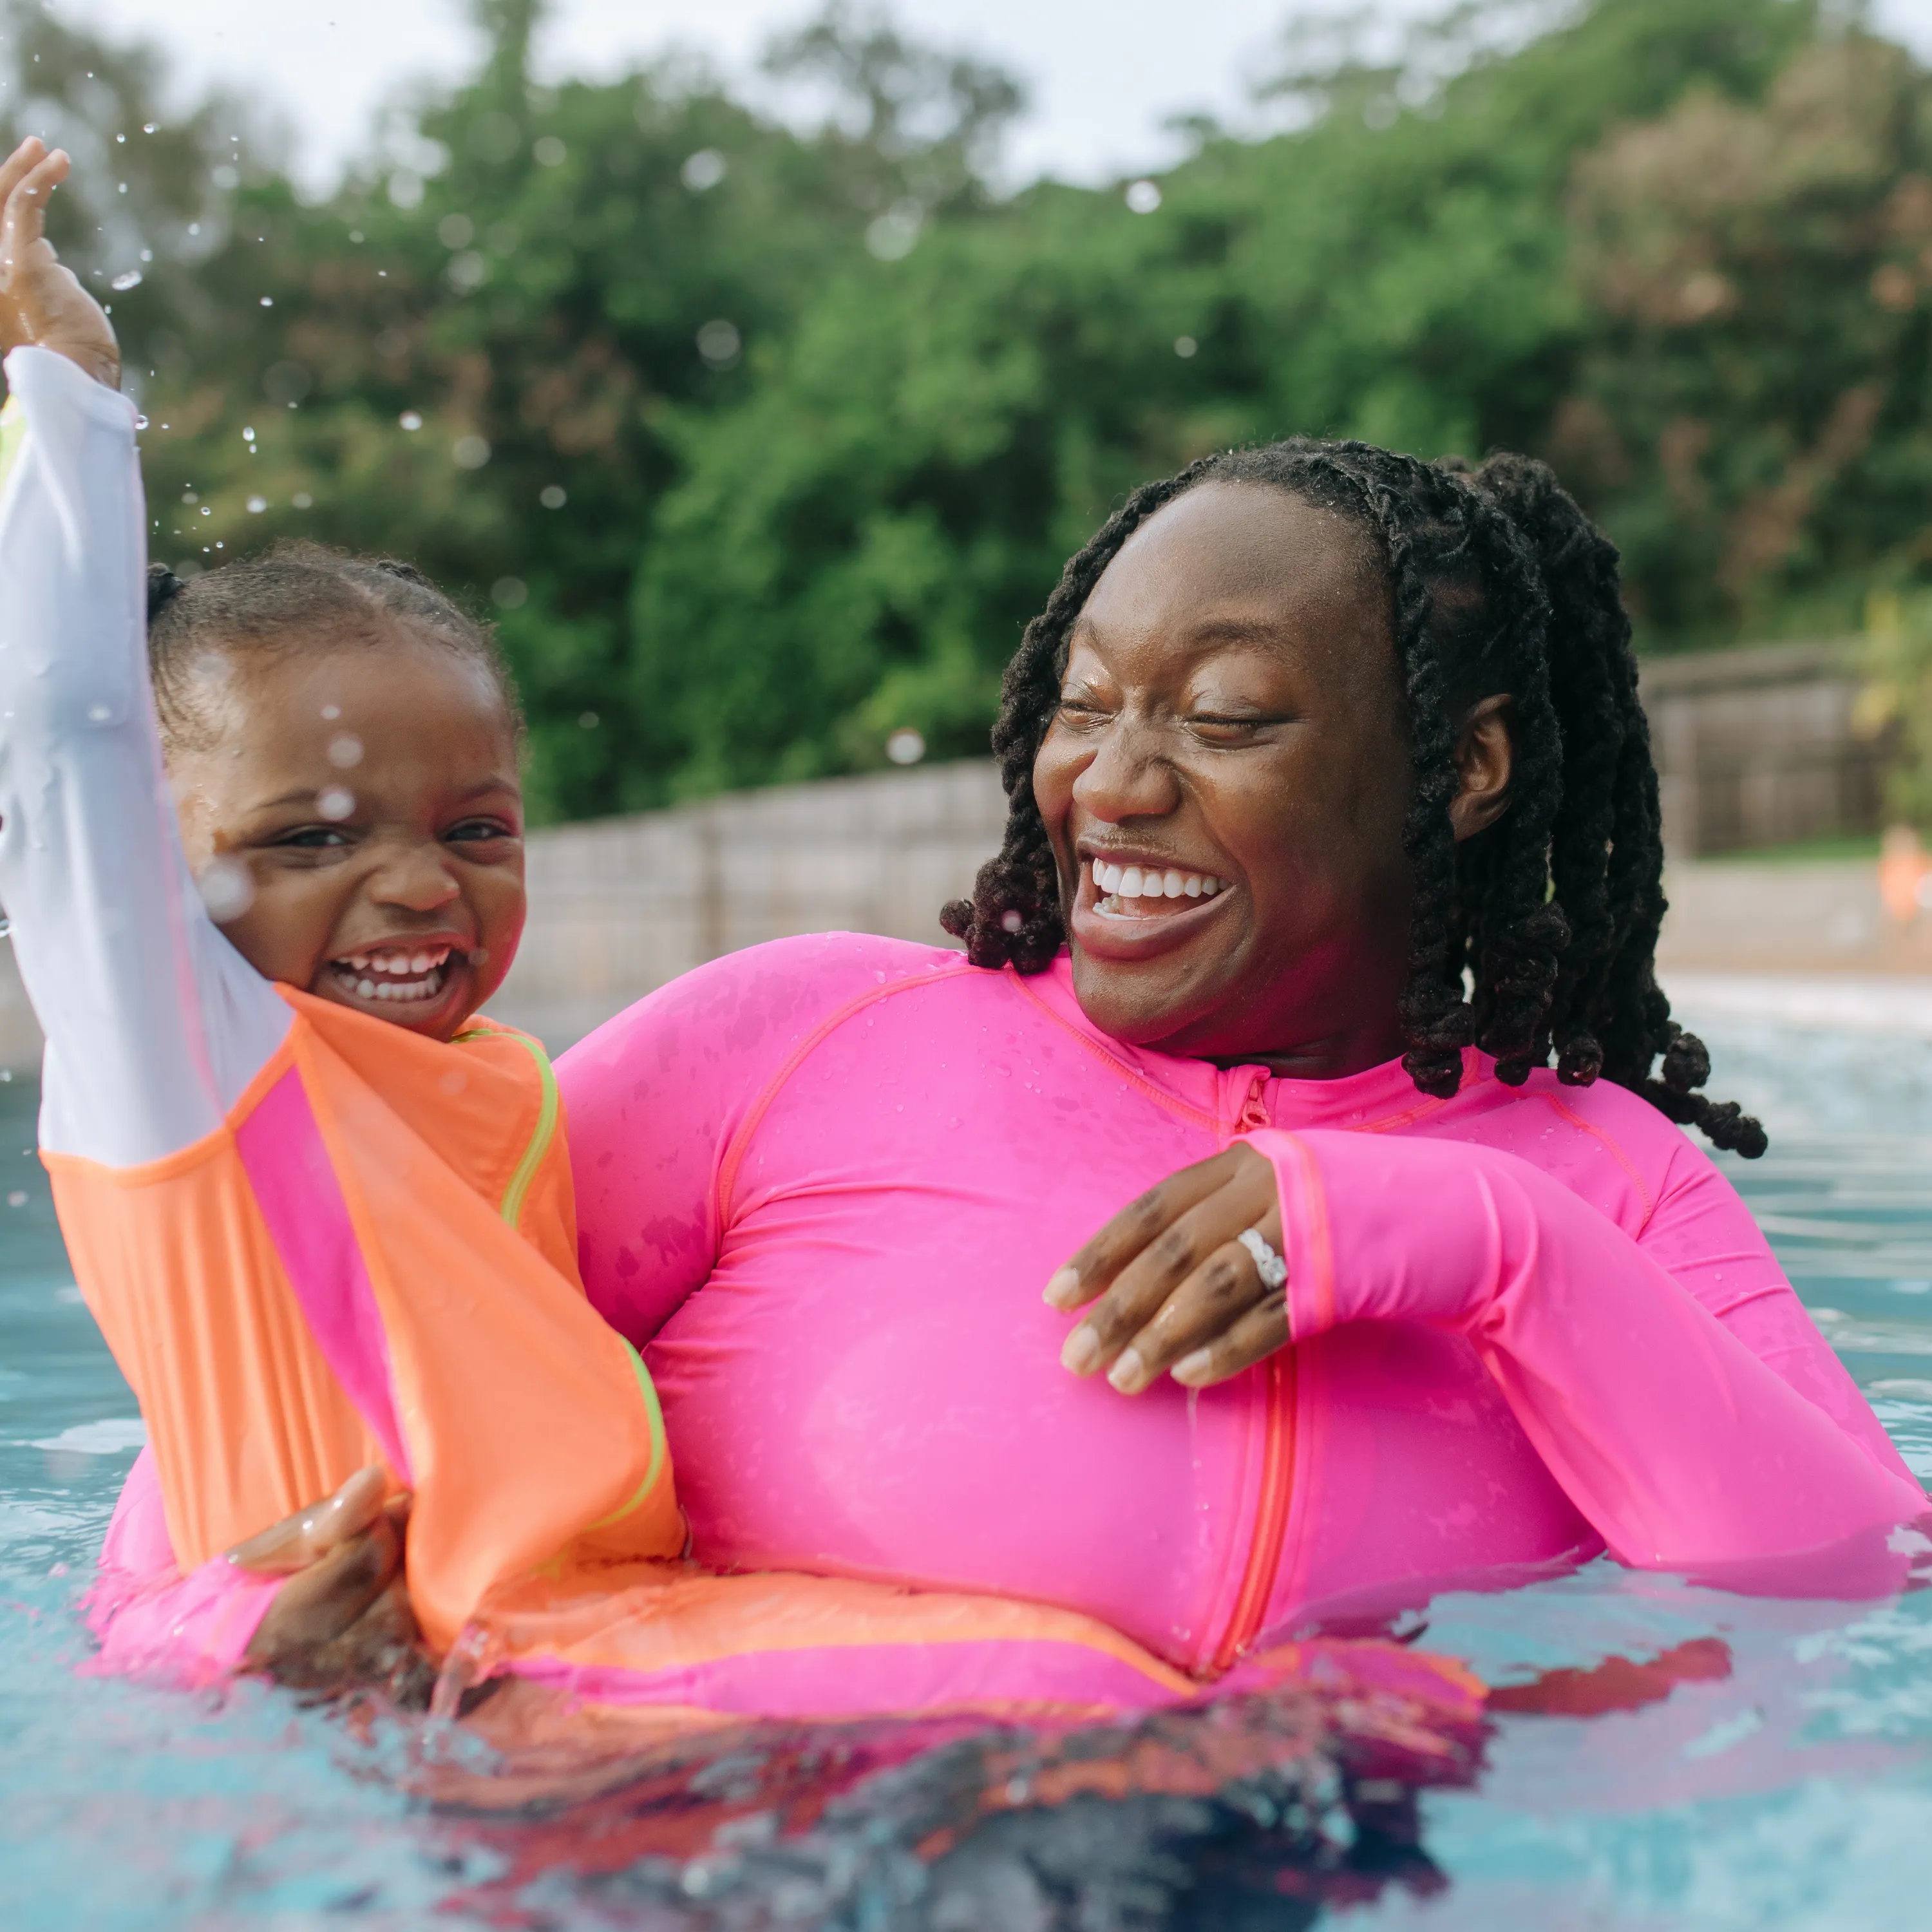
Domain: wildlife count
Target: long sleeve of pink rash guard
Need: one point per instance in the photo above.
(1683, 1400)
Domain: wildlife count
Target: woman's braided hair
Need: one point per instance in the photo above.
(1499, 584)
(293, 595)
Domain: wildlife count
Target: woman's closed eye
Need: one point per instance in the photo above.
(1230, 728)
(1079, 711)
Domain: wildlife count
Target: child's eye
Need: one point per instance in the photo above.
(473, 831)
(310, 838)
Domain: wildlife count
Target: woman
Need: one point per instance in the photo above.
(1304, 736)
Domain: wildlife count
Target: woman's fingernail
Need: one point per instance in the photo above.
(1129, 1372)
(1193, 1368)
(1063, 1287)
(1082, 1354)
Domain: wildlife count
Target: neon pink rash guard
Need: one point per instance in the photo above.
(826, 1180)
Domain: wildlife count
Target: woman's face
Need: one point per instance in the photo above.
(1231, 712)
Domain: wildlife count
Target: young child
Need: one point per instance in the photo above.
(322, 1212)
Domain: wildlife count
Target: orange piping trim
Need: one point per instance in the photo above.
(1270, 1513)
(1139, 1081)
(734, 1154)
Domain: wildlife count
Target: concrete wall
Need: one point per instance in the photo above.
(1757, 747)
(620, 906)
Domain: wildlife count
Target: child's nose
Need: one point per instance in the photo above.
(417, 878)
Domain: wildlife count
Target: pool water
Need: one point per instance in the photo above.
(1794, 1791)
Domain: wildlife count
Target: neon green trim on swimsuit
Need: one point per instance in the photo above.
(514, 1195)
(660, 1448)
(13, 437)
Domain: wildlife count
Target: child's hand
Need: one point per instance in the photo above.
(41, 302)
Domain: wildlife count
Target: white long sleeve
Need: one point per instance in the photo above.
(155, 1024)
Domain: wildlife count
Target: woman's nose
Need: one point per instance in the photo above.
(1127, 777)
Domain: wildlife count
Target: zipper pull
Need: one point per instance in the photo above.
(1254, 1108)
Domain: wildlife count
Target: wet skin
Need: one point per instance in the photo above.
(1232, 708)
(390, 833)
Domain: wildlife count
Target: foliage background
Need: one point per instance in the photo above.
(763, 441)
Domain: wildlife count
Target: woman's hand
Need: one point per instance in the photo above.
(343, 1620)
(1177, 1290)
(42, 303)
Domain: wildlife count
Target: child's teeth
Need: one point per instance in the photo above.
(367, 988)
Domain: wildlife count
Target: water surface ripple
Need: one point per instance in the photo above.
(1796, 1791)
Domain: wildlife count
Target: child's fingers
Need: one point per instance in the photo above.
(15, 169)
(24, 224)
(301, 1539)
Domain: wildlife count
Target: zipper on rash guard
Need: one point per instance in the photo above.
(1277, 1485)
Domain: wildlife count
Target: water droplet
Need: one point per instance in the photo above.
(456, 231)
(345, 751)
(141, 422)
(510, 593)
(589, 720)
(1185, 345)
(549, 152)
(719, 343)
(225, 177)
(256, 505)
(332, 711)
(468, 272)
(410, 420)
(470, 452)
(248, 435)
(552, 496)
(891, 238)
(99, 714)
(18, 1198)
(130, 279)
(334, 802)
(1143, 196)
(227, 889)
(905, 746)
(1011, 921)
(151, 127)
(704, 170)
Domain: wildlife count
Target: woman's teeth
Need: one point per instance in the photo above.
(416, 975)
(1117, 884)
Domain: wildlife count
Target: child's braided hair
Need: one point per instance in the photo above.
(1499, 583)
(293, 596)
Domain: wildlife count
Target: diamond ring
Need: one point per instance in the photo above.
(1269, 1265)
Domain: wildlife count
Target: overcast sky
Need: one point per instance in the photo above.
(1103, 74)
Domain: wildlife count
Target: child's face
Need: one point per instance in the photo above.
(368, 795)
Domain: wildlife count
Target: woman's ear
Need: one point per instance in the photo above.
(1485, 759)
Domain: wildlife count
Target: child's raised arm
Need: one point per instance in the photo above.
(155, 1024)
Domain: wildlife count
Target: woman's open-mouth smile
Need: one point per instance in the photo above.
(1125, 908)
